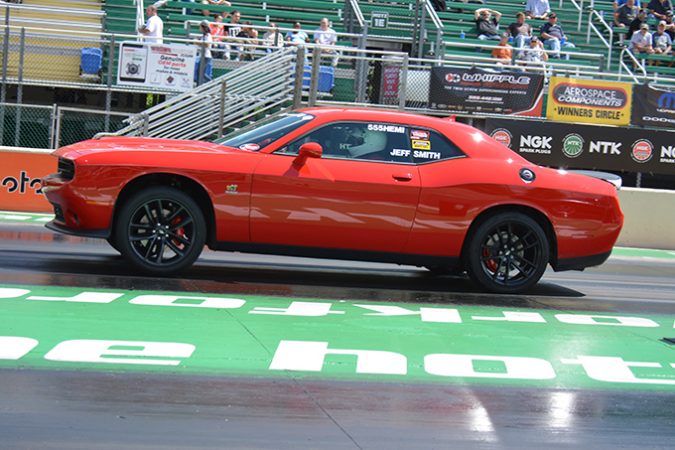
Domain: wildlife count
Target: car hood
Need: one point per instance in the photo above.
(141, 144)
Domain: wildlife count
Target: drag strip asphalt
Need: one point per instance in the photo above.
(591, 364)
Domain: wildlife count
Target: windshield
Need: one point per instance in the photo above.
(266, 133)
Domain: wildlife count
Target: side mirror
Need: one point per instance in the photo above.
(308, 150)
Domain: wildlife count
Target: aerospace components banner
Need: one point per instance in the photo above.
(586, 146)
(473, 90)
(653, 107)
(589, 101)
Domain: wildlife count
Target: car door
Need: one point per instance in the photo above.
(361, 195)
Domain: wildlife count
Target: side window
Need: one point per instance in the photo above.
(359, 140)
(429, 146)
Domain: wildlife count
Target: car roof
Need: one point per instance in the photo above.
(372, 114)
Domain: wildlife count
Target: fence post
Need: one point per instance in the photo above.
(5, 58)
(361, 66)
(146, 125)
(19, 88)
(299, 75)
(403, 83)
(316, 71)
(56, 127)
(108, 94)
(221, 116)
(423, 31)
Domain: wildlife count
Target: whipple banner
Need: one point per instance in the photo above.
(474, 90)
(587, 146)
(653, 107)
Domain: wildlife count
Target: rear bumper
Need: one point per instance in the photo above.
(581, 262)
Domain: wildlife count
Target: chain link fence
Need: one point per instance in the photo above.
(35, 126)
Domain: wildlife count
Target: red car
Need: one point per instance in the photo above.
(355, 184)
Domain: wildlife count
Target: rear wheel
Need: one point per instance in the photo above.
(160, 230)
(507, 253)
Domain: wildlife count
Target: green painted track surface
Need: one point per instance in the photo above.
(244, 336)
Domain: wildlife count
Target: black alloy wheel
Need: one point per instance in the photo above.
(508, 253)
(160, 230)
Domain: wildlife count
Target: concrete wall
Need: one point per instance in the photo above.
(649, 218)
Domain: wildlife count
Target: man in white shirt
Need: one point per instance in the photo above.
(537, 9)
(641, 41)
(325, 35)
(153, 28)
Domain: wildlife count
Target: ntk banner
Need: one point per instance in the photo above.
(589, 101)
(586, 146)
(653, 107)
(473, 90)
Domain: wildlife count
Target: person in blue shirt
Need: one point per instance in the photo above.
(554, 37)
(297, 36)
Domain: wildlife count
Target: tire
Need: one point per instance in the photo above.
(113, 243)
(507, 253)
(160, 230)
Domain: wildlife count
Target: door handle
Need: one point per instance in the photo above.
(407, 176)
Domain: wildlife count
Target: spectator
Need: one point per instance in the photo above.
(219, 2)
(619, 3)
(153, 28)
(670, 27)
(205, 12)
(660, 8)
(232, 29)
(554, 37)
(325, 35)
(641, 41)
(636, 23)
(521, 31)
(439, 5)
(534, 55)
(487, 27)
(272, 39)
(625, 14)
(246, 47)
(661, 41)
(205, 43)
(297, 36)
(537, 9)
(503, 54)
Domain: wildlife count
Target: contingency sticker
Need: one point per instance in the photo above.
(386, 128)
(421, 145)
(250, 147)
(419, 134)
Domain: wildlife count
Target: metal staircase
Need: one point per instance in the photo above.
(258, 87)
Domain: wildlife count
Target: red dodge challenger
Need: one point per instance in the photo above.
(354, 184)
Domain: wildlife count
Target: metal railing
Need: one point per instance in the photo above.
(591, 27)
(627, 54)
(260, 86)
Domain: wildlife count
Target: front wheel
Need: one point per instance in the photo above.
(160, 230)
(507, 253)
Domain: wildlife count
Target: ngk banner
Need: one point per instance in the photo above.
(473, 90)
(589, 101)
(653, 107)
(587, 146)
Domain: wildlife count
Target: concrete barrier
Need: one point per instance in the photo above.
(649, 218)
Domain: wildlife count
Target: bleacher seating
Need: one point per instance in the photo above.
(52, 53)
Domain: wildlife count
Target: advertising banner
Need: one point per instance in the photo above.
(473, 90)
(154, 65)
(20, 180)
(587, 146)
(589, 101)
(653, 107)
